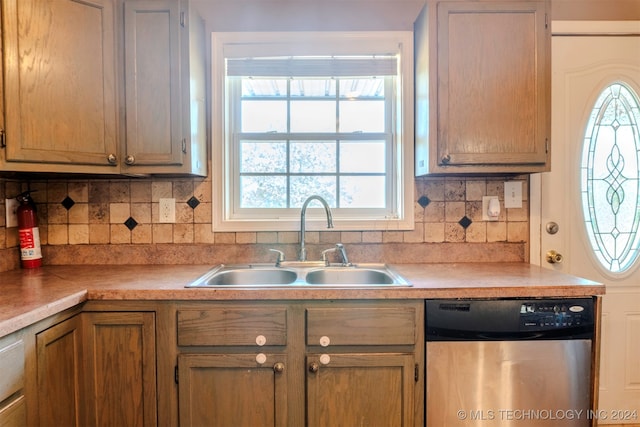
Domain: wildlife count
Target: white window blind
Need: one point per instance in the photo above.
(313, 67)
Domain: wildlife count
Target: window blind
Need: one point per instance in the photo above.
(367, 66)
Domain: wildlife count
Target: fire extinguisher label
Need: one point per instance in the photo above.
(30, 243)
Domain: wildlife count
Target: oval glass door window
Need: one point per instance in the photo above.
(610, 180)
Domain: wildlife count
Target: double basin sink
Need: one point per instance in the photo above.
(268, 275)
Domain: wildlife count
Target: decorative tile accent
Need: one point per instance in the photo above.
(465, 222)
(67, 203)
(424, 201)
(130, 223)
(193, 202)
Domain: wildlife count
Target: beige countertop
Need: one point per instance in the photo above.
(27, 296)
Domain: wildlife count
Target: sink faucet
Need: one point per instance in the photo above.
(303, 213)
(343, 253)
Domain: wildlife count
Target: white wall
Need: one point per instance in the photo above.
(312, 15)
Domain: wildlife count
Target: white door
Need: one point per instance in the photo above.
(606, 182)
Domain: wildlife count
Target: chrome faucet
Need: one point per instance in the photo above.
(303, 213)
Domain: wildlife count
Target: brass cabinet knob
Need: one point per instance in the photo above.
(130, 160)
(313, 367)
(278, 367)
(445, 159)
(554, 257)
(112, 159)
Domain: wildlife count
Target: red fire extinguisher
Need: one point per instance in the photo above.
(30, 251)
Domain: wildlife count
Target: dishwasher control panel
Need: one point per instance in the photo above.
(545, 315)
(509, 319)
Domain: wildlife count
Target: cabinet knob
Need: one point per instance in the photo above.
(130, 160)
(261, 358)
(261, 340)
(112, 159)
(313, 367)
(446, 159)
(278, 367)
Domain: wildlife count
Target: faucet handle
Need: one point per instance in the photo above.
(280, 258)
(343, 253)
(324, 255)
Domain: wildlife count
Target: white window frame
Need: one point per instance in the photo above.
(318, 43)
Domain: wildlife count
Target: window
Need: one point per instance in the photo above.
(611, 178)
(298, 114)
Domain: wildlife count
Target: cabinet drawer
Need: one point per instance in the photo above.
(361, 326)
(14, 413)
(12, 367)
(232, 326)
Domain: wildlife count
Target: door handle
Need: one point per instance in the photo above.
(554, 257)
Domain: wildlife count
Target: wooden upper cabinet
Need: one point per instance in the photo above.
(104, 87)
(60, 98)
(483, 87)
(164, 88)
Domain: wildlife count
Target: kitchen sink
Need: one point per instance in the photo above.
(246, 275)
(349, 276)
(268, 275)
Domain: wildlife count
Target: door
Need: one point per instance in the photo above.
(595, 83)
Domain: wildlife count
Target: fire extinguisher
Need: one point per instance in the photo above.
(30, 251)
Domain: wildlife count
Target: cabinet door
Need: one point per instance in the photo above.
(220, 390)
(120, 369)
(152, 84)
(493, 87)
(369, 389)
(59, 374)
(60, 92)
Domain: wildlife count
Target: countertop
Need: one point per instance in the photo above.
(27, 296)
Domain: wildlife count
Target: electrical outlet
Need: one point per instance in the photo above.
(11, 212)
(486, 200)
(167, 210)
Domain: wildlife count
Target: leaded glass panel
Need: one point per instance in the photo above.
(610, 173)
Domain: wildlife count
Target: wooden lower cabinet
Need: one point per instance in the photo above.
(301, 363)
(233, 390)
(120, 369)
(368, 389)
(59, 372)
(219, 364)
(98, 369)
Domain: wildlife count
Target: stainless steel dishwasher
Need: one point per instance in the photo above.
(509, 362)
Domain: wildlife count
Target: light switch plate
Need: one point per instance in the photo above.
(167, 210)
(513, 194)
(11, 215)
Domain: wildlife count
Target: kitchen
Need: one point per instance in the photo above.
(90, 224)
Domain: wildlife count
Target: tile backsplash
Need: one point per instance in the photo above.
(110, 221)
